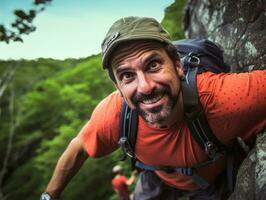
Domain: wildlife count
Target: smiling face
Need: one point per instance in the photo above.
(148, 80)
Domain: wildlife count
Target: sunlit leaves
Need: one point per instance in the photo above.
(172, 20)
(56, 99)
(23, 24)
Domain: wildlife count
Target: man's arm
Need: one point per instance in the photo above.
(132, 178)
(67, 166)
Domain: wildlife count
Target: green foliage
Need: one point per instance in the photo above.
(49, 111)
(23, 23)
(172, 20)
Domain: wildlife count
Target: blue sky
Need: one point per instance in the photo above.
(72, 28)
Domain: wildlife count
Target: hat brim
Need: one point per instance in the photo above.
(116, 43)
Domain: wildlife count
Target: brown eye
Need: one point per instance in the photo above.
(154, 65)
(126, 76)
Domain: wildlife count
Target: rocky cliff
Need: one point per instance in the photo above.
(238, 26)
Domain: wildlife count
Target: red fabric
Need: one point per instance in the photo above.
(119, 184)
(234, 105)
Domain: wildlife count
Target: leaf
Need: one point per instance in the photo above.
(17, 39)
(31, 16)
(42, 9)
(21, 14)
(15, 24)
(33, 28)
(2, 29)
(32, 13)
(3, 35)
(37, 2)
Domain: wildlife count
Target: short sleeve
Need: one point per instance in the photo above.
(100, 134)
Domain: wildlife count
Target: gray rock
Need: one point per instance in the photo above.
(239, 27)
(251, 177)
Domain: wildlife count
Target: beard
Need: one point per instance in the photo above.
(160, 113)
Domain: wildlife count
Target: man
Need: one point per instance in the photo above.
(146, 70)
(120, 182)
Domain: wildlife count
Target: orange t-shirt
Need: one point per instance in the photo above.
(234, 105)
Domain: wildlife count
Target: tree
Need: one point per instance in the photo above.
(23, 23)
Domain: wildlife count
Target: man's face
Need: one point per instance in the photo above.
(148, 80)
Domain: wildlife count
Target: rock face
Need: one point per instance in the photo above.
(251, 178)
(239, 27)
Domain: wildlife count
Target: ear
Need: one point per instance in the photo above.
(179, 68)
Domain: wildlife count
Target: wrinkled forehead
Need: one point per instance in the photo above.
(133, 48)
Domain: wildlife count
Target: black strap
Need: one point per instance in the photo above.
(133, 130)
(195, 116)
(188, 171)
(128, 131)
(230, 173)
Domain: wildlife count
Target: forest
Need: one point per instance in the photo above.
(43, 105)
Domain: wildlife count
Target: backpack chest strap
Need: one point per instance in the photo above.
(187, 171)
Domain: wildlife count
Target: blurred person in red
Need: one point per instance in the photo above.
(120, 182)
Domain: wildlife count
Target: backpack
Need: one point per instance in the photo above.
(197, 56)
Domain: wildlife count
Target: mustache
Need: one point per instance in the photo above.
(154, 93)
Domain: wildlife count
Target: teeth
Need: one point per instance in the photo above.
(154, 100)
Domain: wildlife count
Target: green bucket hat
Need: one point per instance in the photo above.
(131, 28)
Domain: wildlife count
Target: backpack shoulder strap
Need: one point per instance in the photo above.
(128, 131)
(196, 119)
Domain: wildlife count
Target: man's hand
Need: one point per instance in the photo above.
(134, 173)
(132, 178)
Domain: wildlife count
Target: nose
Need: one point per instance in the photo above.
(145, 84)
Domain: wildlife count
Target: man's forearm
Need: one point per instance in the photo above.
(132, 178)
(68, 165)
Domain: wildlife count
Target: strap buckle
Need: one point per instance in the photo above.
(193, 60)
(168, 170)
(126, 147)
(211, 150)
(187, 171)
